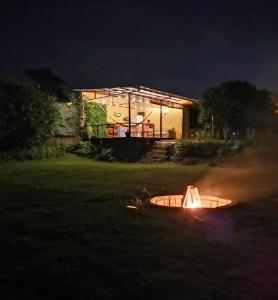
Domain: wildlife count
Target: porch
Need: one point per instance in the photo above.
(134, 112)
(145, 130)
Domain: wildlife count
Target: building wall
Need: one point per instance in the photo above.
(171, 119)
(68, 123)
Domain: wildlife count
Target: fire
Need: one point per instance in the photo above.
(191, 199)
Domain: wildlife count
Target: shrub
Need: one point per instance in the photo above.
(87, 149)
(204, 136)
(106, 155)
(82, 148)
(207, 150)
(27, 116)
(33, 153)
(184, 149)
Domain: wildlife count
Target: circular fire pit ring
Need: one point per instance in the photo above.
(176, 201)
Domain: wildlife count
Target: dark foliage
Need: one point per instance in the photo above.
(184, 149)
(236, 107)
(82, 148)
(47, 81)
(27, 116)
(33, 153)
(96, 115)
(105, 155)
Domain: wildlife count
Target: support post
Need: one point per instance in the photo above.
(212, 126)
(82, 110)
(161, 119)
(129, 116)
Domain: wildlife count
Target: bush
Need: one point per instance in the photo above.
(204, 136)
(208, 150)
(106, 155)
(87, 149)
(27, 116)
(183, 149)
(82, 148)
(33, 153)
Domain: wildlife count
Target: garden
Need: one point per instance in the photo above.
(76, 221)
(66, 232)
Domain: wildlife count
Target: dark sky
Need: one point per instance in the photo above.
(178, 46)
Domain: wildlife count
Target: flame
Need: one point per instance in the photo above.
(191, 198)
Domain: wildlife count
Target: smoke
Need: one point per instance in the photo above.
(251, 175)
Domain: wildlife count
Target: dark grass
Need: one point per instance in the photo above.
(66, 234)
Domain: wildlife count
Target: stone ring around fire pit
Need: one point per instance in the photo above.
(191, 199)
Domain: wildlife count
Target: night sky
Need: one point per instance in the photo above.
(176, 46)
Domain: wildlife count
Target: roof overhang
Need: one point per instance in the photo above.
(153, 95)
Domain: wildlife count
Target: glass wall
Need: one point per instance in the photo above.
(145, 116)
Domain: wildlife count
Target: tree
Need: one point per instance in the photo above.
(234, 106)
(47, 81)
(27, 116)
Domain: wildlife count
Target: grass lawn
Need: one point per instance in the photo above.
(66, 233)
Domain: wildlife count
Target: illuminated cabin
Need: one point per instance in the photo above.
(139, 112)
(274, 102)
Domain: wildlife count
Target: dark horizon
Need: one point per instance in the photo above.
(176, 47)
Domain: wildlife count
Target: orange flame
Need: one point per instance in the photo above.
(192, 198)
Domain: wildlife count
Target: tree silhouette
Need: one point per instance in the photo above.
(236, 106)
(28, 116)
(47, 81)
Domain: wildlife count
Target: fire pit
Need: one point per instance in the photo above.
(191, 199)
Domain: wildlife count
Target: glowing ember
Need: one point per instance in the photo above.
(191, 198)
(132, 207)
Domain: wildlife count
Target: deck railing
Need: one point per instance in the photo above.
(115, 130)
